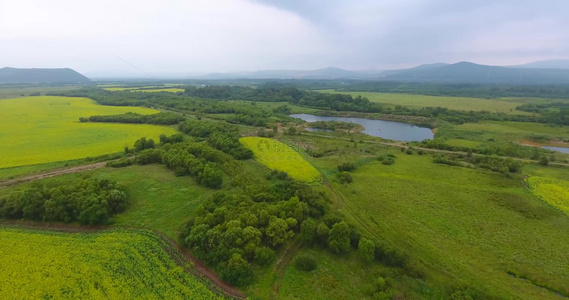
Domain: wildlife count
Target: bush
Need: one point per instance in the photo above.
(237, 271)
(305, 263)
(125, 162)
(344, 177)
(347, 166)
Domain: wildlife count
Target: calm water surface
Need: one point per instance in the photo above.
(398, 131)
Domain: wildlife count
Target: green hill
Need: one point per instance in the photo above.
(62, 75)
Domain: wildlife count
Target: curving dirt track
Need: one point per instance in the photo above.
(56, 172)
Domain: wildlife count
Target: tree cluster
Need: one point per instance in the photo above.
(88, 201)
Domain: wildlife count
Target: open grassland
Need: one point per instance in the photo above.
(159, 200)
(469, 133)
(467, 227)
(456, 103)
(554, 192)
(47, 129)
(278, 156)
(111, 264)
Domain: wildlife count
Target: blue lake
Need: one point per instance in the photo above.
(560, 149)
(398, 131)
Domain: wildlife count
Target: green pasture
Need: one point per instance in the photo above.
(466, 227)
(46, 129)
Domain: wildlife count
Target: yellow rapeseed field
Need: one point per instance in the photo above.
(278, 156)
(553, 191)
(37, 130)
(114, 264)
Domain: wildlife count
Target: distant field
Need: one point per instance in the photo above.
(146, 89)
(113, 264)
(469, 225)
(278, 156)
(456, 103)
(170, 90)
(19, 92)
(47, 129)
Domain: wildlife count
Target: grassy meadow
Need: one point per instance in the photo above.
(467, 227)
(456, 103)
(278, 156)
(47, 129)
(473, 134)
(110, 264)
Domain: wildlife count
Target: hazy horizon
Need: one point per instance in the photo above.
(200, 37)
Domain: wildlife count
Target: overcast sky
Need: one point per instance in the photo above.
(202, 36)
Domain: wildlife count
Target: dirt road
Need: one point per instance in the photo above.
(56, 172)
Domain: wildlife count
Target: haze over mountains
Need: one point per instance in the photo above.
(540, 72)
(63, 75)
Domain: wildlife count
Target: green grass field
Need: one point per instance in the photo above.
(278, 156)
(456, 103)
(467, 227)
(47, 129)
(111, 264)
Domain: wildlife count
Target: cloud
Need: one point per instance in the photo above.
(200, 36)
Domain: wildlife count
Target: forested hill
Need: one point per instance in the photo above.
(62, 75)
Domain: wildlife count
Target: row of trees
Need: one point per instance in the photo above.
(162, 118)
(87, 201)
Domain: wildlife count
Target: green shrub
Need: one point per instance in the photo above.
(305, 263)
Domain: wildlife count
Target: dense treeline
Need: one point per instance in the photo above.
(88, 201)
(342, 102)
(236, 111)
(248, 114)
(493, 163)
(185, 158)
(162, 118)
(498, 149)
(433, 89)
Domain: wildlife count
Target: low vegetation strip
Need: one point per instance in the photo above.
(554, 192)
(278, 156)
(110, 264)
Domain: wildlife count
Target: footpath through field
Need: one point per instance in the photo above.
(53, 173)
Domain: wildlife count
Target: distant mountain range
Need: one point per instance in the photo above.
(326, 73)
(466, 72)
(541, 72)
(66, 75)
